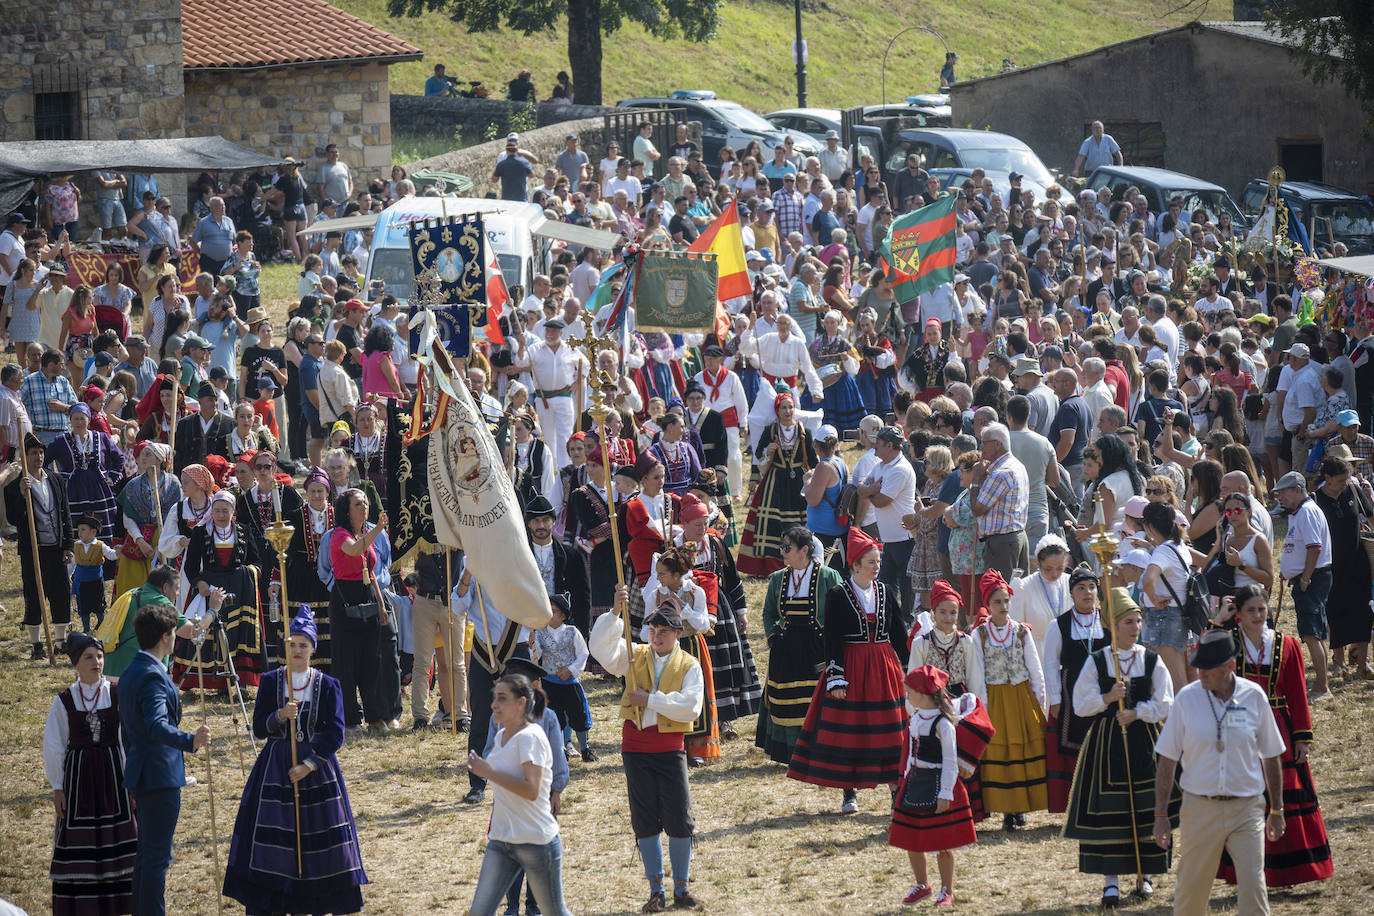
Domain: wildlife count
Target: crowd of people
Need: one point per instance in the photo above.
(936, 619)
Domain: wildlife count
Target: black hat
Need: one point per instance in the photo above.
(1082, 573)
(88, 520)
(538, 506)
(218, 373)
(693, 387)
(555, 322)
(713, 350)
(78, 643)
(562, 601)
(32, 441)
(1222, 260)
(524, 666)
(206, 390)
(1214, 649)
(665, 615)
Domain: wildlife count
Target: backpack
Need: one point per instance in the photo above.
(847, 499)
(1197, 596)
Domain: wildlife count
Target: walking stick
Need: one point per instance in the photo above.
(209, 773)
(599, 413)
(1104, 546)
(448, 644)
(279, 534)
(37, 566)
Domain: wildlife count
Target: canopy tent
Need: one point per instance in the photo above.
(547, 228)
(1359, 264)
(23, 162)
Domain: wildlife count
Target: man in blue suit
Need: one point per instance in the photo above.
(154, 772)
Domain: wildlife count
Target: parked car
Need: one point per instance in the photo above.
(816, 122)
(1325, 210)
(933, 109)
(948, 148)
(725, 123)
(1161, 185)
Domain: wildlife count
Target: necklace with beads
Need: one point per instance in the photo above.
(88, 704)
(1002, 641)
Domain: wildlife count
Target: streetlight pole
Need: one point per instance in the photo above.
(799, 52)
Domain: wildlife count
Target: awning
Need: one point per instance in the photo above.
(340, 224)
(576, 235)
(23, 162)
(1360, 264)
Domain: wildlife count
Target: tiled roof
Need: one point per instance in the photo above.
(280, 33)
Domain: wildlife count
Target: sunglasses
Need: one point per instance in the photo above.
(263, 467)
(1153, 491)
(1236, 511)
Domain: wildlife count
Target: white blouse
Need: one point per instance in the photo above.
(1087, 692)
(56, 731)
(921, 724)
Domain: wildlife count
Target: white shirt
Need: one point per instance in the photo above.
(1304, 389)
(56, 731)
(1248, 735)
(863, 468)
(940, 303)
(551, 369)
(1306, 526)
(1034, 672)
(1081, 628)
(1098, 397)
(583, 279)
(1038, 603)
(514, 818)
(1169, 558)
(1087, 691)
(897, 479)
(783, 358)
(731, 394)
(1168, 335)
(691, 596)
(607, 645)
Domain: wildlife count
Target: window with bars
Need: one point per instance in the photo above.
(57, 103)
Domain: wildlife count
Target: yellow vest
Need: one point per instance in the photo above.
(679, 663)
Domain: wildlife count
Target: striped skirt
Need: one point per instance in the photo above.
(1012, 775)
(738, 693)
(95, 841)
(793, 657)
(928, 831)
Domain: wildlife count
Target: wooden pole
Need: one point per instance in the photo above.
(449, 646)
(279, 534)
(210, 783)
(37, 566)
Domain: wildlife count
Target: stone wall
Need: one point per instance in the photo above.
(476, 162)
(124, 57)
(1224, 103)
(297, 111)
(441, 117)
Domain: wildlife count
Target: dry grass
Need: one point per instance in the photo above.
(766, 844)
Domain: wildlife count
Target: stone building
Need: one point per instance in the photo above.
(288, 77)
(1224, 101)
(283, 77)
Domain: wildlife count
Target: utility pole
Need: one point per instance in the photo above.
(799, 53)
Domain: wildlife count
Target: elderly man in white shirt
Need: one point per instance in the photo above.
(942, 304)
(834, 158)
(1097, 394)
(556, 368)
(1222, 733)
(782, 356)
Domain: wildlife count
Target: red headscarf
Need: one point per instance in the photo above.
(783, 396)
(942, 591)
(692, 509)
(990, 582)
(219, 468)
(858, 543)
(927, 679)
(151, 402)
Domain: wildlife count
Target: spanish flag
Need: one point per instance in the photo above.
(723, 238)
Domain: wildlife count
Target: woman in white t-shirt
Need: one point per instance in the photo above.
(523, 833)
(1164, 587)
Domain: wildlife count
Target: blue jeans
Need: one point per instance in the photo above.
(156, 813)
(543, 867)
(1310, 603)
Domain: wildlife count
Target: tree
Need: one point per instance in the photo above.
(1335, 39)
(587, 21)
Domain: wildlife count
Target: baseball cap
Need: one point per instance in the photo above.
(14, 218)
(1291, 479)
(512, 139)
(891, 435)
(870, 425)
(329, 202)
(752, 256)
(218, 373)
(1300, 351)
(1348, 418)
(1015, 177)
(355, 305)
(568, 137)
(196, 342)
(825, 432)
(960, 278)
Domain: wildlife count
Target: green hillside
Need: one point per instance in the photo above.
(750, 58)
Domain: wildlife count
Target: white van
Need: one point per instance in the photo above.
(520, 235)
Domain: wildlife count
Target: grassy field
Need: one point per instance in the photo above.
(750, 58)
(766, 844)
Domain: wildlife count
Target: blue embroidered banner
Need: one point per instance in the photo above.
(448, 258)
(454, 328)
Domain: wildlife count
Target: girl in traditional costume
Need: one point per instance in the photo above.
(948, 823)
(785, 453)
(302, 705)
(190, 512)
(1013, 769)
(304, 588)
(672, 580)
(854, 731)
(1274, 661)
(143, 506)
(90, 463)
(1127, 692)
(96, 836)
(793, 626)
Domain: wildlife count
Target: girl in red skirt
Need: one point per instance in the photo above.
(950, 824)
(852, 737)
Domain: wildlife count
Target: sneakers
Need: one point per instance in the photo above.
(684, 901)
(569, 750)
(917, 893)
(655, 903)
(474, 796)
(588, 755)
(850, 805)
(1146, 888)
(946, 897)
(421, 724)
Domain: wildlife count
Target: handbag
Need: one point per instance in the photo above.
(1221, 575)
(365, 611)
(922, 789)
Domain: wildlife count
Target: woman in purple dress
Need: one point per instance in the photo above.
(301, 704)
(680, 461)
(90, 463)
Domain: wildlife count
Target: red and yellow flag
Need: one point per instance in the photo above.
(724, 239)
